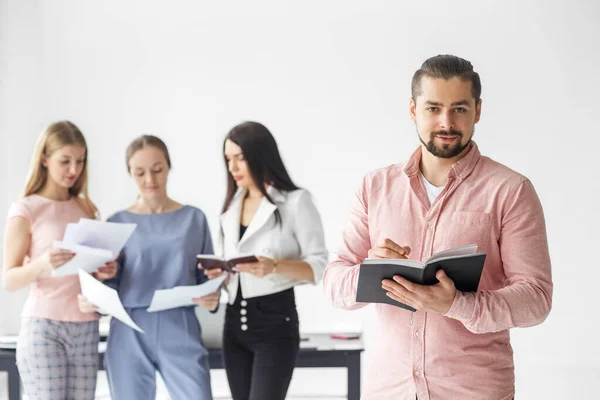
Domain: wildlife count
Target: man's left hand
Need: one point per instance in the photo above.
(438, 297)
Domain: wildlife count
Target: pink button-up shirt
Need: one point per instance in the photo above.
(465, 354)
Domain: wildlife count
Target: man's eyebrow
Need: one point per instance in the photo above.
(460, 103)
(456, 103)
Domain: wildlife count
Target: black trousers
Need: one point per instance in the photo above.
(260, 344)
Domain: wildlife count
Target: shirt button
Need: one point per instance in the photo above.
(244, 319)
(244, 303)
(418, 374)
(417, 334)
(243, 311)
(244, 327)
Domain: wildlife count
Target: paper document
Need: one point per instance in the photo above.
(104, 235)
(181, 296)
(94, 244)
(86, 258)
(105, 298)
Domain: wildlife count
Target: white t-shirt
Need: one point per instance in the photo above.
(432, 191)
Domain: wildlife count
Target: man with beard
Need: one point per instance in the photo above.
(456, 345)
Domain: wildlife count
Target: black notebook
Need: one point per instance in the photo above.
(210, 261)
(463, 265)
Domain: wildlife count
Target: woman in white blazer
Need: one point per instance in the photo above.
(267, 215)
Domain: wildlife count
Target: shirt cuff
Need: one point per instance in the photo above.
(462, 307)
(317, 268)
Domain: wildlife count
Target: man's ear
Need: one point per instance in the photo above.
(478, 111)
(412, 109)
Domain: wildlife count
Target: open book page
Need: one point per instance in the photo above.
(394, 261)
(209, 257)
(453, 253)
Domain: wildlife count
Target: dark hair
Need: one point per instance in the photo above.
(263, 159)
(142, 142)
(447, 67)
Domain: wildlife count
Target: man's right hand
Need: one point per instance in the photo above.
(389, 249)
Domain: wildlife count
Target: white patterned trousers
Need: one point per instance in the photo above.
(58, 360)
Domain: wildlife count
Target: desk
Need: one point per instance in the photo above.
(8, 364)
(319, 351)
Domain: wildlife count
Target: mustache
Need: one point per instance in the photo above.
(447, 133)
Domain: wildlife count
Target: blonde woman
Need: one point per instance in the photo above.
(57, 353)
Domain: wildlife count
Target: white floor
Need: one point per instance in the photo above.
(307, 384)
(299, 390)
(548, 383)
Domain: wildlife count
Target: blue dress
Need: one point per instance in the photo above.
(160, 254)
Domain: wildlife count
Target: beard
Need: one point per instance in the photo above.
(446, 150)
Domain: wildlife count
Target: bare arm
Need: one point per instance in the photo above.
(17, 238)
(17, 274)
(298, 270)
(295, 269)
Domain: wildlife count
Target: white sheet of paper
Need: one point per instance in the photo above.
(70, 235)
(105, 298)
(94, 242)
(86, 258)
(103, 235)
(181, 296)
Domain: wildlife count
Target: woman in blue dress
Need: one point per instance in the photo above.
(160, 254)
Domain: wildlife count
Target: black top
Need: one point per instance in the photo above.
(242, 231)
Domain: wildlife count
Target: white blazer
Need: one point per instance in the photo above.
(299, 237)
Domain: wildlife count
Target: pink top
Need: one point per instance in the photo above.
(465, 354)
(50, 297)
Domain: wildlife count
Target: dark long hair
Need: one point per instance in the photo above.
(263, 159)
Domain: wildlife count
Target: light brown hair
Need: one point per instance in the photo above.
(142, 142)
(54, 137)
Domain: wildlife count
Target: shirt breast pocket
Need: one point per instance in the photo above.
(469, 227)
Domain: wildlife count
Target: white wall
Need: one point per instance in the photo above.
(331, 80)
